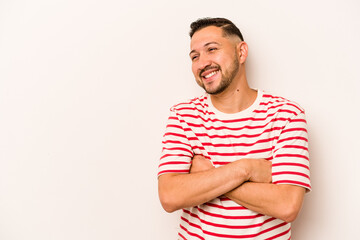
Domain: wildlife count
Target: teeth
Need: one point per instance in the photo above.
(211, 74)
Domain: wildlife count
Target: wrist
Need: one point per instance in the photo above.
(244, 169)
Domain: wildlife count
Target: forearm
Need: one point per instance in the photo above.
(277, 200)
(178, 191)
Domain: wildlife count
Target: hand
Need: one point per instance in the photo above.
(200, 163)
(259, 170)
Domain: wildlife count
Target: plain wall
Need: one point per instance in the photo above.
(85, 91)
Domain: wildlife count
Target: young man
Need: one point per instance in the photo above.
(235, 160)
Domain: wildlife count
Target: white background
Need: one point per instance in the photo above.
(85, 89)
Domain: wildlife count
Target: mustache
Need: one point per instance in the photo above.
(208, 68)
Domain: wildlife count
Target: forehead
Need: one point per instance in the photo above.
(206, 35)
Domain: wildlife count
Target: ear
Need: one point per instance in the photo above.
(242, 51)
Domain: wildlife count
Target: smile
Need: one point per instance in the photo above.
(210, 74)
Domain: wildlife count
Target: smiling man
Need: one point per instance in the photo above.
(235, 159)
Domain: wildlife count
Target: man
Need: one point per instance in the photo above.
(235, 159)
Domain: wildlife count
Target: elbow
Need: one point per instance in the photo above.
(168, 207)
(167, 203)
(290, 213)
(169, 197)
(290, 217)
(292, 204)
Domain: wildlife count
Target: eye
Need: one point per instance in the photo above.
(212, 49)
(194, 57)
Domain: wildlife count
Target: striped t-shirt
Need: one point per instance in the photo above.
(272, 128)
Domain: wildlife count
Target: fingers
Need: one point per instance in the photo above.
(200, 163)
(199, 157)
(260, 170)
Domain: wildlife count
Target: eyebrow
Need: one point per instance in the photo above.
(205, 45)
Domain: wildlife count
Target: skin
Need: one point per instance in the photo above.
(279, 201)
(177, 191)
(218, 65)
(209, 48)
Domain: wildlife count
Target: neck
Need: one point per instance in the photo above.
(236, 98)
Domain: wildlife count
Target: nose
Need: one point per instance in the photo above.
(203, 61)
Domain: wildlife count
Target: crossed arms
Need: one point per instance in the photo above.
(245, 181)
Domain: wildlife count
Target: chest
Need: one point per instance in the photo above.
(225, 142)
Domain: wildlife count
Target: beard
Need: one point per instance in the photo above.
(226, 78)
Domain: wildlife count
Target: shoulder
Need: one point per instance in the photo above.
(275, 103)
(198, 104)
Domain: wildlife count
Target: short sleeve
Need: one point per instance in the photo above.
(290, 164)
(176, 152)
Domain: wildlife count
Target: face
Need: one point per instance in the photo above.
(215, 62)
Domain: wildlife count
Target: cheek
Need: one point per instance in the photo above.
(220, 60)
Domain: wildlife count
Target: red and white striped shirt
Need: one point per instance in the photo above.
(272, 128)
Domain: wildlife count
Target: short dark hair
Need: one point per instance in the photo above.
(226, 25)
